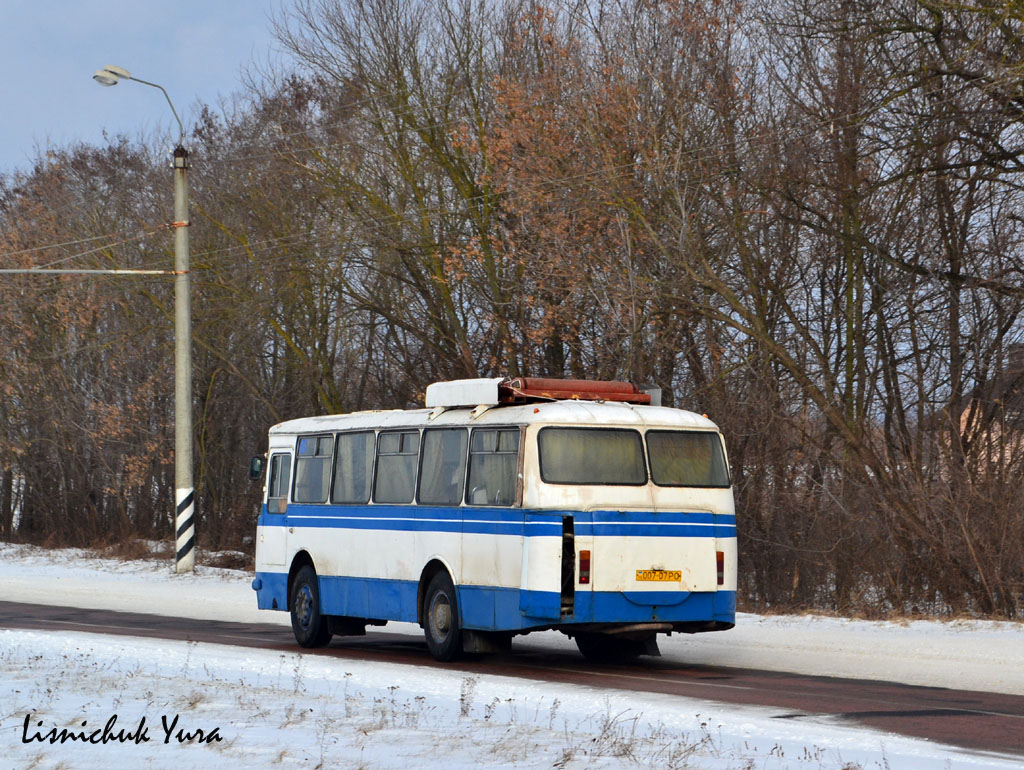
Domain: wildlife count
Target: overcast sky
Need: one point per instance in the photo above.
(49, 49)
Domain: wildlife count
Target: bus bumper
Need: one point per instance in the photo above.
(271, 590)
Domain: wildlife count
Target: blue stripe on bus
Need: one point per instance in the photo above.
(487, 608)
(451, 513)
(655, 530)
(493, 521)
(417, 525)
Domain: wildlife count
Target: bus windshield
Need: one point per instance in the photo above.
(616, 456)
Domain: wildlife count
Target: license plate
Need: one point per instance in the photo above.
(668, 575)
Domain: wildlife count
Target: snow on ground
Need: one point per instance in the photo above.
(288, 710)
(962, 654)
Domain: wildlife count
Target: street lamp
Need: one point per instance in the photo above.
(184, 518)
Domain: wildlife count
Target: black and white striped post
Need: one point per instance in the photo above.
(184, 515)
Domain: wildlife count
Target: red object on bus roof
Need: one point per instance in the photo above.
(523, 389)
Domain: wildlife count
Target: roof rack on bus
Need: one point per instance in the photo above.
(521, 390)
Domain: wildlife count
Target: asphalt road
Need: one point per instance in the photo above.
(974, 720)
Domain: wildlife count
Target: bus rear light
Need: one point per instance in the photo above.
(584, 567)
(720, 563)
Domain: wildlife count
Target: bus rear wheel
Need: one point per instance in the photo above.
(441, 619)
(308, 624)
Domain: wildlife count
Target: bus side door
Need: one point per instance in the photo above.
(273, 541)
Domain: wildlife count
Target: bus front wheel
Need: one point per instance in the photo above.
(308, 624)
(441, 619)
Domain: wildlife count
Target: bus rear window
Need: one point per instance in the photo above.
(591, 456)
(686, 459)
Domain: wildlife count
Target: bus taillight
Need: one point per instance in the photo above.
(720, 562)
(584, 567)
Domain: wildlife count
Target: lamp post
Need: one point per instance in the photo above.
(184, 517)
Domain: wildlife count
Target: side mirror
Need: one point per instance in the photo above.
(256, 468)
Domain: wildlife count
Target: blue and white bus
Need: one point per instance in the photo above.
(503, 507)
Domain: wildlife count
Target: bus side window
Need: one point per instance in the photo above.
(313, 469)
(395, 481)
(493, 463)
(443, 468)
(353, 468)
(277, 483)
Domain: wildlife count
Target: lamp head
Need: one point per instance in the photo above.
(110, 75)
